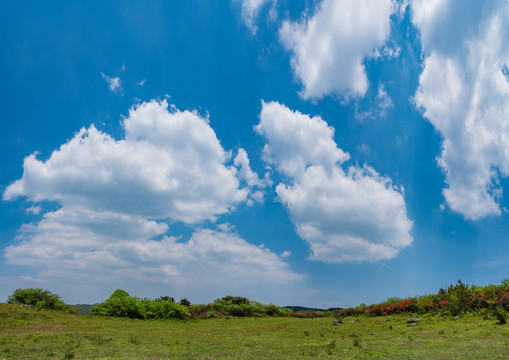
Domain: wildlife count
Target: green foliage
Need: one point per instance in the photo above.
(167, 298)
(121, 304)
(336, 314)
(501, 315)
(505, 284)
(199, 311)
(456, 299)
(243, 307)
(271, 310)
(310, 314)
(161, 309)
(185, 302)
(26, 333)
(40, 298)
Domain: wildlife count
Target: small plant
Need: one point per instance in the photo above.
(484, 313)
(501, 315)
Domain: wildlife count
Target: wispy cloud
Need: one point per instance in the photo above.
(114, 83)
(250, 10)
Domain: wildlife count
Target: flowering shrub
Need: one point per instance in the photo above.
(456, 299)
(308, 314)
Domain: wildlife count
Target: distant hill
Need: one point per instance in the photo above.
(83, 308)
(302, 308)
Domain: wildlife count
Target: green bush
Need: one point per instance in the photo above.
(40, 298)
(501, 315)
(199, 311)
(271, 310)
(121, 304)
(160, 309)
(242, 307)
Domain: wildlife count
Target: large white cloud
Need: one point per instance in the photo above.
(345, 216)
(170, 165)
(329, 48)
(118, 199)
(464, 92)
(114, 249)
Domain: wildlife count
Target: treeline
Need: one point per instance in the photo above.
(121, 304)
(454, 300)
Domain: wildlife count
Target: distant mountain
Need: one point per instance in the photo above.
(302, 308)
(83, 308)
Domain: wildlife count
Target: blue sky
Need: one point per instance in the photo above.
(320, 153)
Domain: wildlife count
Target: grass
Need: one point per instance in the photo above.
(27, 333)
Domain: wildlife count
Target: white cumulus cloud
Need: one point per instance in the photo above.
(345, 216)
(329, 47)
(113, 248)
(118, 199)
(464, 93)
(170, 165)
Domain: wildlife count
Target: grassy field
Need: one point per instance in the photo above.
(26, 333)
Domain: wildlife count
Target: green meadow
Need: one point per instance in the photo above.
(28, 333)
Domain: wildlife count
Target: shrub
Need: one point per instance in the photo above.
(501, 315)
(271, 310)
(336, 314)
(166, 298)
(284, 312)
(351, 311)
(199, 311)
(236, 300)
(121, 304)
(40, 298)
(308, 314)
(240, 306)
(185, 302)
(161, 309)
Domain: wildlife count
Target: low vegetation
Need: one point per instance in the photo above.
(28, 333)
(39, 298)
(457, 322)
(121, 304)
(490, 300)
